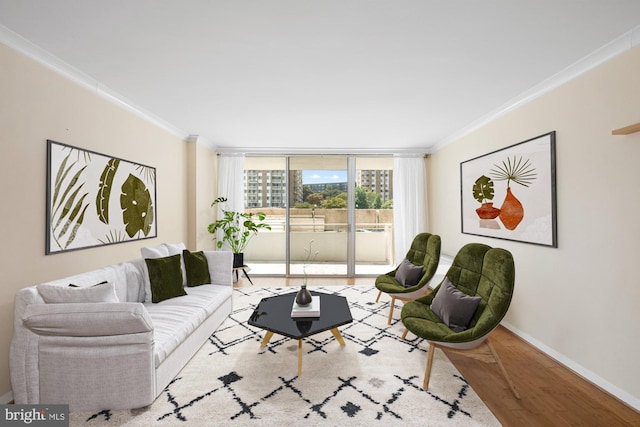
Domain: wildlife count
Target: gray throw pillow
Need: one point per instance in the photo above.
(408, 274)
(53, 294)
(454, 307)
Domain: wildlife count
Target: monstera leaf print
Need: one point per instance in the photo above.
(67, 205)
(137, 206)
(104, 190)
(483, 189)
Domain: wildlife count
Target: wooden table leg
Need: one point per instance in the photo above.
(266, 339)
(299, 357)
(336, 333)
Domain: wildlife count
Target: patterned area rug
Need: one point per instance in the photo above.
(374, 380)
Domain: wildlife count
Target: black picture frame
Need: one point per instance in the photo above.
(521, 174)
(94, 199)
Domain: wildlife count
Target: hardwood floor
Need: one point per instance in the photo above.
(551, 395)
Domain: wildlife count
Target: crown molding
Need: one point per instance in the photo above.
(198, 139)
(320, 151)
(622, 44)
(36, 53)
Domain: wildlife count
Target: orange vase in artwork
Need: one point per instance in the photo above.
(487, 211)
(511, 212)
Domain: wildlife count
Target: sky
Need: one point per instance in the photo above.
(323, 176)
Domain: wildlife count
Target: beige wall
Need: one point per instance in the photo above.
(579, 302)
(203, 172)
(37, 104)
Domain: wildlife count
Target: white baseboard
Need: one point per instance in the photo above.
(6, 398)
(600, 382)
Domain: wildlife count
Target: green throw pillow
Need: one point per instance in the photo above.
(197, 268)
(165, 276)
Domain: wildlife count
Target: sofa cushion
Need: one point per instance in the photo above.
(87, 320)
(454, 307)
(196, 268)
(134, 276)
(115, 274)
(165, 277)
(55, 294)
(175, 319)
(73, 285)
(151, 253)
(176, 249)
(220, 274)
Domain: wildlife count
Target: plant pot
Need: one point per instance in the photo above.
(238, 260)
(487, 211)
(511, 211)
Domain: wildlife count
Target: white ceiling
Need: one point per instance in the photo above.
(319, 75)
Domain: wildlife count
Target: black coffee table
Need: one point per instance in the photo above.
(274, 315)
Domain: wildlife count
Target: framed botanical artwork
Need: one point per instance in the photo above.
(94, 199)
(511, 193)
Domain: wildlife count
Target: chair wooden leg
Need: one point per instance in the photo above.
(404, 334)
(503, 369)
(427, 372)
(379, 293)
(393, 304)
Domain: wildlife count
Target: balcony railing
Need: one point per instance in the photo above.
(374, 243)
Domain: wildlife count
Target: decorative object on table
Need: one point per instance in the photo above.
(528, 210)
(214, 389)
(237, 228)
(311, 309)
(96, 200)
(303, 297)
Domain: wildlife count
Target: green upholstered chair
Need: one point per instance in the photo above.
(477, 270)
(425, 252)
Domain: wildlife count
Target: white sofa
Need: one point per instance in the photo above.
(112, 355)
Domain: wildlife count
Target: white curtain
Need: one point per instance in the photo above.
(231, 183)
(409, 202)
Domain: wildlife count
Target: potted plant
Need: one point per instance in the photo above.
(483, 193)
(237, 228)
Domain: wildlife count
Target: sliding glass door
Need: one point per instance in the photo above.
(318, 216)
(373, 203)
(265, 190)
(330, 215)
